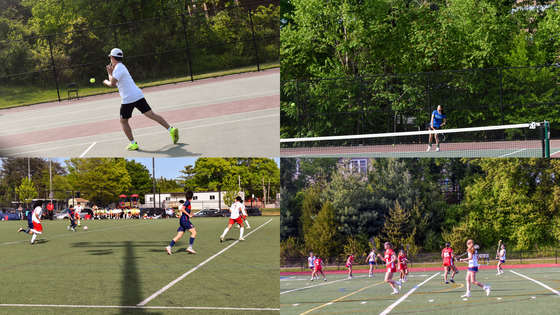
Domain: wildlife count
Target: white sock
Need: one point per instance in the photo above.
(169, 129)
(133, 142)
(33, 237)
(247, 224)
(225, 232)
(241, 232)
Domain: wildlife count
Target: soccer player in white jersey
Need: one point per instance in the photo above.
(311, 265)
(132, 97)
(371, 261)
(37, 226)
(502, 260)
(473, 269)
(237, 210)
(78, 210)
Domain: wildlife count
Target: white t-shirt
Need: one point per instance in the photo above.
(310, 261)
(38, 211)
(128, 90)
(236, 209)
(503, 254)
(473, 262)
(78, 211)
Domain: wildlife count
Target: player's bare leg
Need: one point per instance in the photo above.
(155, 117)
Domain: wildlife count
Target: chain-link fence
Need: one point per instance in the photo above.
(394, 103)
(236, 37)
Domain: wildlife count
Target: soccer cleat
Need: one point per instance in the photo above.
(487, 289)
(242, 239)
(468, 295)
(68, 228)
(499, 273)
(32, 243)
(429, 148)
(174, 132)
(446, 282)
(132, 146)
(168, 249)
(190, 250)
(325, 279)
(73, 230)
(452, 281)
(312, 279)
(370, 275)
(20, 229)
(437, 149)
(399, 284)
(221, 238)
(395, 292)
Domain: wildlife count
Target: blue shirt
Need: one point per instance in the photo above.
(187, 206)
(438, 118)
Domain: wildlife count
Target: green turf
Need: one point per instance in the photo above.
(510, 294)
(122, 262)
(13, 96)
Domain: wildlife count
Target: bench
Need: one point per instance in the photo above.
(72, 88)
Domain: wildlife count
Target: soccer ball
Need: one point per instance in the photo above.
(85, 228)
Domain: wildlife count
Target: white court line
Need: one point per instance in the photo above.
(86, 151)
(392, 306)
(511, 153)
(552, 154)
(312, 286)
(145, 307)
(228, 122)
(537, 282)
(153, 296)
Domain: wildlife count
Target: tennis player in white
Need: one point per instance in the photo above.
(132, 97)
(237, 211)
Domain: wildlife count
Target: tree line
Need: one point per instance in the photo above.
(394, 61)
(102, 180)
(331, 210)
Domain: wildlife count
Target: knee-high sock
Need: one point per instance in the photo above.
(241, 232)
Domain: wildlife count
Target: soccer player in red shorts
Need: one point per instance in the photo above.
(390, 260)
(403, 267)
(448, 256)
(318, 262)
(349, 263)
(237, 211)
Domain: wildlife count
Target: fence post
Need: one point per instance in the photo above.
(187, 47)
(54, 68)
(254, 40)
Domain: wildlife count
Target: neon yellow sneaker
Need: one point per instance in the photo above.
(132, 146)
(174, 132)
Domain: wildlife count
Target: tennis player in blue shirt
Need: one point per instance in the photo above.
(438, 120)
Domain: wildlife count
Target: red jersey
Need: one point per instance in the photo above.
(447, 254)
(349, 261)
(318, 264)
(388, 257)
(402, 262)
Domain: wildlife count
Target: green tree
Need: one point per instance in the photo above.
(140, 179)
(322, 237)
(26, 191)
(101, 180)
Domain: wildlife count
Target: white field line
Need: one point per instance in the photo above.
(321, 282)
(392, 306)
(144, 307)
(512, 153)
(151, 297)
(537, 282)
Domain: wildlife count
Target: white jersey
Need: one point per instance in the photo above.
(503, 254)
(371, 257)
(473, 262)
(310, 261)
(237, 209)
(38, 211)
(78, 210)
(128, 90)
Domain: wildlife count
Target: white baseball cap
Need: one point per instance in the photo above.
(115, 52)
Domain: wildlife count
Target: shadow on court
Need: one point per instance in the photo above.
(178, 149)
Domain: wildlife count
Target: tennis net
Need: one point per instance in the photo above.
(516, 140)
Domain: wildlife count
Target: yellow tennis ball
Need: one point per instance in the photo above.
(92, 80)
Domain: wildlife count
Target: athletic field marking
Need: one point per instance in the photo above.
(86, 151)
(537, 282)
(340, 298)
(151, 297)
(146, 134)
(311, 286)
(75, 233)
(511, 153)
(145, 307)
(554, 153)
(392, 306)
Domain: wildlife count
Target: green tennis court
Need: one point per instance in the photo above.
(121, 266)
(517, 291)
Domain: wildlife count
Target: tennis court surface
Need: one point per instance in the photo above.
(122, 267)
(235, 115)
(523, 289)
(516, 140)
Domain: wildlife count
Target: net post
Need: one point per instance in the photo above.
(547, 139)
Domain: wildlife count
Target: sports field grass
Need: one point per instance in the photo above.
(118, 264)
(424, 292)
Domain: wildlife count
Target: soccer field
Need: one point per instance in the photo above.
(121, 267)
(517, 291)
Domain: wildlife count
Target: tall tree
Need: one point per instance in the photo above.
(26, 191)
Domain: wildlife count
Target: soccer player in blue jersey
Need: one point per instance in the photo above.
(29, 223)
(184, 224)
(72, 217)
(438, 120)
